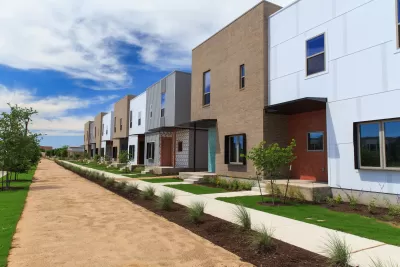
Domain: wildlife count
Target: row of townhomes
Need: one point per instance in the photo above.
(325, 73)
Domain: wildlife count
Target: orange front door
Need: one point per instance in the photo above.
(166, 151)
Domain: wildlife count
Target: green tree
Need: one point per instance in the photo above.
(269, 162)
(123, 156)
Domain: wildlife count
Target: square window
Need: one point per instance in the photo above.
(206, 88)
(180, 146)
(369, 140)
(315, 141)
(315, 55)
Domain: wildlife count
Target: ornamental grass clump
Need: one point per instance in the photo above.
(337, 251)
(242, 217)
(166, 200)
(381, 263)
(109, 183)
(263, 239)
(196, 211)
(131, 188)
(148, 193)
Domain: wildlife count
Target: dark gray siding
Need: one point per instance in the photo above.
(182, 97)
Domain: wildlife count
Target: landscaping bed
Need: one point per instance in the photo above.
(163, 180)
(222, 233)
(198, 189)
(339, 217)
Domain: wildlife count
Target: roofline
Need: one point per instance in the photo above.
(169, 74)
(284, 8)
(261, 2)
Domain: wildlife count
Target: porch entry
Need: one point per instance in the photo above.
(141, 153)
(166, 151)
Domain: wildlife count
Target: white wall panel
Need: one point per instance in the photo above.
(290, 56)
(283, 26)
(283, 89)
(313, 13)
(344, 6)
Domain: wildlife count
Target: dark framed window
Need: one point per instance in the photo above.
(131, 151)
(139, 118)
(130, 119)
(180, 146)
(150, 150)
(151, 110)
(235, 148)
(206, 88)
(162, 104)
(115, 124)
(102, 152)
(315, 141)
(398, 22)
(315, 55)
(242, 76)
(120, 124)
(378, 144)
(102, 129)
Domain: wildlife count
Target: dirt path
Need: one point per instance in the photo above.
(68, 221)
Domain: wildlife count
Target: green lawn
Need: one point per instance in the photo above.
(163, 180)
(197, 189)
(140, 175)
(11, 204)
(345, 222)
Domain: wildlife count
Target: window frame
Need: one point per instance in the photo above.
(242, 79)
(237, 148)
(323, 141)
(130, 119)
(150, 149)
(131, 153)
(162, 112)
(180, 146)
(308, 57)
(382, 145)
(120, 124)
(115, 124)
(204, 89)
(139, 118)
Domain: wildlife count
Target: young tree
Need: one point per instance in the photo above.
(269, 161)
(123, 156)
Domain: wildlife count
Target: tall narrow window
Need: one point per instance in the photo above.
(139, 118)
(120, 124)
(115, 124)
(102, 129)
(150, 150)
(162, 104)
(131, 152)
(206, 88)
(392, 143)
(369, 138)
(242, 76)
(130, 119)
(236, 149)
(398, 23)
(316, 55)
(151, 110)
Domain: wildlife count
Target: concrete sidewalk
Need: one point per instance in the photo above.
(304, 235)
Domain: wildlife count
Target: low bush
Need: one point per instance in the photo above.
(381, 263)
(109, 183)
(196, 211)
(338, 199)
(120, 186)
(131, 188)
(372, 206)
(166, 200)
(148, 193)
(337, 251)
(242, 217)
(330, 201)
(263, 239)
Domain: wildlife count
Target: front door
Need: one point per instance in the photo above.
(141, 153)
(166, 151)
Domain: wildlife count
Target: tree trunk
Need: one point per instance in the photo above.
(272, 191)
(259, 186)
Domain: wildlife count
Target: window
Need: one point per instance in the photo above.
(115, 124)
(315, 141)
(242, 75)
(150, 150)
(379, 144)
(139, 118)
(120, 124)
(107, 130)
(206, 88)
(180, 146)
(102, 152)
(316, 55)
(131, 152)
(102, 129)
(235, 146)
(130, 119)
(162, 104)
(151, 110)
(398, 23)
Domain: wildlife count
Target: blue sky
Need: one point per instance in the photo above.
(71, 59)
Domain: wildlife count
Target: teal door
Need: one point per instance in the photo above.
(212, 143)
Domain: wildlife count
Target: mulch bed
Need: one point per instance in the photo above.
(231, 237)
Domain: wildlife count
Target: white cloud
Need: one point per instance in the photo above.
(53, 112)
(78, 37)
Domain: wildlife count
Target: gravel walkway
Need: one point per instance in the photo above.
(68, 221)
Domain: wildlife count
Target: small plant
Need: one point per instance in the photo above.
(242, 217)
(263, 238)
(317, 196)
(120, 186)
(372, 205)
(148, 192)
(123, 157)
(337, 251)
(330, 201)
(380, 263)
(166, 200)
(109, 183)
(338, 199)
(196, 211)
(96, 158)
(393, 210)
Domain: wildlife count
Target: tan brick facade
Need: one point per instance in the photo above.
(238, 111)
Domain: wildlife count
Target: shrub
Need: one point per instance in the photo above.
(338, 199)
(148, 192)
(242, 217)
(337, 251)
(330, 201)
(96, 158)
(196, 211)
(109, 183)
(393, 210)
(317, 196)
(130, 188)
(263, 238)
(166, 200)
(380, 263)
(120, 186)
(372, 205)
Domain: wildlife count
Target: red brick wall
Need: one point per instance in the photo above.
(309, 165)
